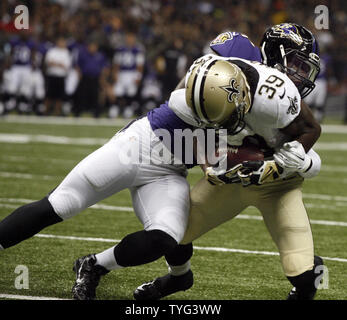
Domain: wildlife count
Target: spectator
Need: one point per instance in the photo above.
(158, 24)
(172, 64)
(58, 64)
(92, 67)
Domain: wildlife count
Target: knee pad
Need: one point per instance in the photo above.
(66, 203)
(143, 247)
(161, 241)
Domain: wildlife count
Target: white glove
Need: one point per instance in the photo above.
(292, 157)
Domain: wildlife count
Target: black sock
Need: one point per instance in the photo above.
(143, 247)
(26, 221)
(180, 254)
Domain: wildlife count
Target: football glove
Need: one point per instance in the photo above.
(293, 158)
(259, 172)
(220, 177)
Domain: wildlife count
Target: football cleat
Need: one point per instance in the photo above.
(88, 275)
(164, 286)
(292, 295)
(295, 295)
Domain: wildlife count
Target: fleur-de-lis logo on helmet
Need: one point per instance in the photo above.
(231, 89)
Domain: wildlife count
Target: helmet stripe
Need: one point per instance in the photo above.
(192, 93)
(199, 89)
(196, 94)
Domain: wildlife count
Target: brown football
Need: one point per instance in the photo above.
(248, 151)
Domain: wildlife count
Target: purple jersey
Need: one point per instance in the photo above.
(22, 51)
(164, 118)
(75, 48)
(91, 64)
(234, 44)
(129, 59)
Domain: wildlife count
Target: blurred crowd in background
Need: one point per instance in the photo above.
(121, 58)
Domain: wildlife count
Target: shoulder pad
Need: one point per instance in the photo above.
(234, 44)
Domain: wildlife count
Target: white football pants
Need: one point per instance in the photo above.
(160, 192)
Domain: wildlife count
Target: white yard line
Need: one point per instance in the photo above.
(340, 129)
(52, 236)
(26, 176)
(333, 146)
(218, 249)
(22, 297)
(334, 128)
(100, 122)
(28, 138)
(8, 203)
(195, 170)
(40, 138)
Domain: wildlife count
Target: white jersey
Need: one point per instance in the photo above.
(275, 101)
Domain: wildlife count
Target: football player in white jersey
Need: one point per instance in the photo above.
(287, 125)
(139, 157)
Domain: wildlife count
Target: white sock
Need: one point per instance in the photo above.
(107, 259)
(179, 270)
(1, 247)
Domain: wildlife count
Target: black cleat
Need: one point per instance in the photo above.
(294, 294)
(164, 286)
(87, 277)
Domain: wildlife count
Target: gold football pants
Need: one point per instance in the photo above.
(280, 204)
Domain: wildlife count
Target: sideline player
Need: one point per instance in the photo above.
(293, 49)
(17, 79)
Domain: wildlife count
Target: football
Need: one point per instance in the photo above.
(248, 151)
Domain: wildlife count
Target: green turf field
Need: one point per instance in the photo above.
(31, 165)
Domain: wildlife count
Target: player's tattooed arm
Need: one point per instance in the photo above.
(305, 129)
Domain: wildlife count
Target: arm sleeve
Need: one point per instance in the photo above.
(315, 166)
